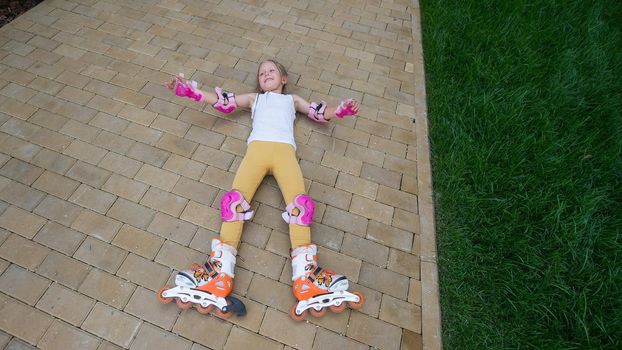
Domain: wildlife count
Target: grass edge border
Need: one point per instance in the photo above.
(430, 294)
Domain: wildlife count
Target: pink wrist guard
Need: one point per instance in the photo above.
(344, 109)
(316, 112)
(226, 101)
(188, 89)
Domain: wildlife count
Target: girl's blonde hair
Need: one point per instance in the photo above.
(281, 69)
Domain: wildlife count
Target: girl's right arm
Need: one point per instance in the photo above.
(221, 100)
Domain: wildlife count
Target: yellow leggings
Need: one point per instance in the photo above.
(261, 158)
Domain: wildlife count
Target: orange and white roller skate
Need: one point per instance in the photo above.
(318, 289)
(208, 285)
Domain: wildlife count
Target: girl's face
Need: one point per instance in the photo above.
(270, 78)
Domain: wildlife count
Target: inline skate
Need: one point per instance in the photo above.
(318, 289)
(208, 285)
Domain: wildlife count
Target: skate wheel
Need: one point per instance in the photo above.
(225, 315)
(202, 309)
(316, 313)
(183, 304)
(359, 304)
(338, 309)
(296, 317)
(161, 298)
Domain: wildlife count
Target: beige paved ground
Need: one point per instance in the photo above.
(108, 184)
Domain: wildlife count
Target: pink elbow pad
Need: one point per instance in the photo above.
(316, 112)
(188, 89)
(344, 109)
(226, 101)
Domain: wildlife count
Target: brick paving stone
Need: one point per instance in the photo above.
(21, 171)
(157, 177)
(64, 270)
(184, 166)
(374, 332)
(143, 272)
(21, 196)
(401, 313)
(192, 325)
(23, 252)
(107, 288)
(414, 292)
(22, 222)
(53, 161)
(177, 256)
(96, 225)
(66, 304)
(241, 339)
(271, 293)
(280, 327)
(59, 237)
(202, 215)
(131, 213)
(404, 263)
(340, 263)
(113, 142)
(22, 321)
(390, 236)
(398, 199)
(100, 254)
(365, 250)
(142, 134)
(330, 195)
(58, 185)
(93, 198)
(357, 185)
(4, 339)
(143, 305)
(406, 220)
(345, 221)
(125, 187)
(148, 154)
(112, 325)
(17, 344)
(172, 228)
(329, 340)
(63, 336)
(384, 280)
(150, 337)
(22, 284)
(88, 174)
(411, 341)
(138, 241)
(260, 261)
(58, 210)
(85, 152)
(196, 191)
(371, 209)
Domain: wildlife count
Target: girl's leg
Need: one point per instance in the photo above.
(288, 175)
(251, 172)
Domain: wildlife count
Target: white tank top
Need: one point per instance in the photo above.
(273, 118)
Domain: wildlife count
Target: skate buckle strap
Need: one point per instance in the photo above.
(189, 89)
(316, 112)
(344, 109)
(306, 207)
(228, 207)
(226, 101)
(211, 271)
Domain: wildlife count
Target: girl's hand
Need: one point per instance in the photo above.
(179, 78)
(346, 108)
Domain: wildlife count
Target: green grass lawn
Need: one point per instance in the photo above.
(525, 108)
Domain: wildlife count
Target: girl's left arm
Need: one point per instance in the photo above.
(313, 110)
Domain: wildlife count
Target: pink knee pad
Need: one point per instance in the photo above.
(229, 204)
(189, 89)
(305, 205)
(344, 109)
(226, 101)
